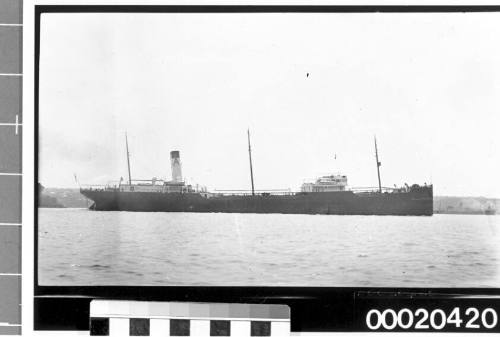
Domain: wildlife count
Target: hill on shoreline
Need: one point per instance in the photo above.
(64, 197)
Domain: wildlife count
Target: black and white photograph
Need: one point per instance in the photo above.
(269, 149)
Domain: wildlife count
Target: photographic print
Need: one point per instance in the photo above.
(269, 149)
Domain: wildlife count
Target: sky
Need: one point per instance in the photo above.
(310, 87)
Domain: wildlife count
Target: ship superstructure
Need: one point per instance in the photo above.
(329, 183)
(155, 185)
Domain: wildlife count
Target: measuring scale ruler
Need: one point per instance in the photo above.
(10, 165)
(142, 318)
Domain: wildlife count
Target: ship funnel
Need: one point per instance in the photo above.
(175, 164)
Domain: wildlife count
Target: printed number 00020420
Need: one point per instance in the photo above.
(389, 319)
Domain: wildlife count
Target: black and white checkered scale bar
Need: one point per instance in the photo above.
(138, 318)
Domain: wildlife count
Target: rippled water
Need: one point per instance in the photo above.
(81, 247)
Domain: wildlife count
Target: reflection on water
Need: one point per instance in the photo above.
(81, 247)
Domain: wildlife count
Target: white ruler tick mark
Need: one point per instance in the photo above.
(16, 124)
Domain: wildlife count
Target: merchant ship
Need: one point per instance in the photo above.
(328, 194)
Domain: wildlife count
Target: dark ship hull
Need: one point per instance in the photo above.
(414, 202)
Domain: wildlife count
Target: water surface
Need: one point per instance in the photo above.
(82, 247)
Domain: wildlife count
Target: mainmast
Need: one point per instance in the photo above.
(250, 157)
(128, 161)
(378, 166)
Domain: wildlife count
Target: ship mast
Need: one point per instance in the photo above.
(378, 166)
(250, 157)
(128, 161)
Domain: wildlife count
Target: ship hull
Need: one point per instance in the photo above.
(340, 203)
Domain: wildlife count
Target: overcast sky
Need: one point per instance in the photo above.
(428, 85)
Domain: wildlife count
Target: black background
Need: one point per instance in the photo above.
(313, 309)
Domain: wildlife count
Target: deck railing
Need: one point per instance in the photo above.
(99, 187)
(266, 192)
